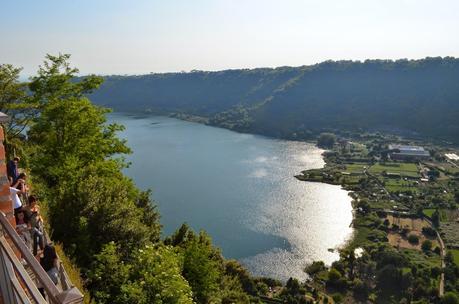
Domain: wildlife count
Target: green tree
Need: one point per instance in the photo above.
(202, 269)
(155, 278)
(436, 218)
(334, 276)
(413, 239)
(107, 275)
(450, 298)
(326, 140)
(426, 245)
(70, 133)
(315, 268)
(14, 101)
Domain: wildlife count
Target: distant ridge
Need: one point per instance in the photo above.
(403, 96)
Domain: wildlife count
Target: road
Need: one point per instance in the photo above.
(441, 287)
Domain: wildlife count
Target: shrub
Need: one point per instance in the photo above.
(429, 231)
(426, 245)
(413, 239)
(315, 268)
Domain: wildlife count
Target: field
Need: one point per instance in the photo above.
(403, 169)
(418, 257)
(455, 253)
(450, 233)
(399, 185)
(356, 168)
(408, 223)
(445, 167)
(430, 211)
(414, 226)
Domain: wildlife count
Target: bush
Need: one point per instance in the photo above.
(437, 250)
(450, 298)
(337, 298)
(426, 245)
(334, 276)
(413, 239)
(315, 268)
(429, 231)
(326, 140)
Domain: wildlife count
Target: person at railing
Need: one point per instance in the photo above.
(49, 262)
(14, 191)
(23, 228)
(22, 186)
(33, 216)
(12, 168)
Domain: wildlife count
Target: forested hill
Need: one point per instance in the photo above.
(410, 96)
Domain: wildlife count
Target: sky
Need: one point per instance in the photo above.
(144, 36)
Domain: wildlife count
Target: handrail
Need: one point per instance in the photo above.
(19, 269)
(72, 295)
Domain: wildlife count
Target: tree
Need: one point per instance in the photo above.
(14, 101)
(107, 275)
(389, 279)
(155, 278)
(363, 206)
(202, 268)
(450, 298)
(436, 219)
(326, 140)
(426, 245)
(315, 268)
(334, 276)
(413, 239)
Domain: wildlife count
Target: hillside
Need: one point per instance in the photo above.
(416, 97)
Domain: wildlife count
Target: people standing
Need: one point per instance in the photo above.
(12, 168)
(36, 223)
(49, 263)
(14, 191)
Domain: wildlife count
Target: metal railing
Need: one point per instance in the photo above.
(16, 283)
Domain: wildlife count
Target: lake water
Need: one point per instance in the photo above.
(241, 189)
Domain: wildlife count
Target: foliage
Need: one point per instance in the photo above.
(413, 239)
(426, 245)
(155, 278)
(315, 268)
(302, 102)
(73, 272)
(450, 298)
(14, 101)
(326, 140)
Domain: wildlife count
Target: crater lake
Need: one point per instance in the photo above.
(241, 189)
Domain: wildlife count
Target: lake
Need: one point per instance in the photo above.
(241, 189)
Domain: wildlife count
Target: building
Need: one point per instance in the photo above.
(452, 156)
(401, 152)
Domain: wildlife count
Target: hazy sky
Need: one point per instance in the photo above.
(136, 37)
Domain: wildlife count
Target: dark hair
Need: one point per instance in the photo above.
(32, 198)
(49, 255)
(22, 175)
(16, 158)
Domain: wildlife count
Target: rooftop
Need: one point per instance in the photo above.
(409, 150)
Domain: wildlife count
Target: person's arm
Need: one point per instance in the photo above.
(16, 183)
(20, 181)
